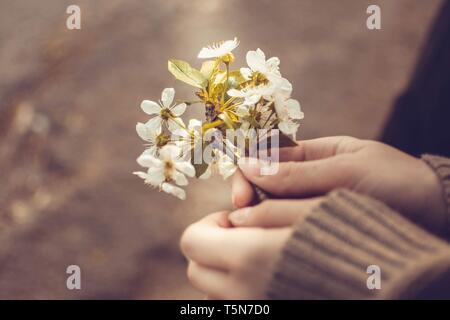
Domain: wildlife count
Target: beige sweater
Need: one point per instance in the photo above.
(328, 254)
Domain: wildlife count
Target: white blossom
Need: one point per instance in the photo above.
(220, 163)
(165, 111)
(288, 112)
(166, 171)
(190, 138)
(219, 49)
(238, 104)
(251, 95)
(153, 136)
(256, 60)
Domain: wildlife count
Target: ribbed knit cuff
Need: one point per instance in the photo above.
(441, 166)
(329, 252)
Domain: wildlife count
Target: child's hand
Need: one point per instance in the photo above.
(318, 166)
(231, 263)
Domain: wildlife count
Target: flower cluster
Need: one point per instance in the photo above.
(252, 99)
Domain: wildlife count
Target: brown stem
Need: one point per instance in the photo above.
(260, 194)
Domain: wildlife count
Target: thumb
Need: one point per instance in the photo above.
(273, 213)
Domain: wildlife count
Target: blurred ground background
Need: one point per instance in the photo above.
(69, 102)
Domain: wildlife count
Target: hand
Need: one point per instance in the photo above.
(318, 166)
(232, 263)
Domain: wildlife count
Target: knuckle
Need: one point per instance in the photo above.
(186, 240)
(191, 272)
(348, 138)
(291, 170)
(347, 171)
(374, 145)
(346, 143)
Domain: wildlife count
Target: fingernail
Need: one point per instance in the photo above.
(250, 167)
(239, 217)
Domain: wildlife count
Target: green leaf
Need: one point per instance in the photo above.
(234, 77)
(184, 72)
(208, 68)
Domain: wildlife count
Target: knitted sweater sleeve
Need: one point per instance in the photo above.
(355, 247)
(441, 166)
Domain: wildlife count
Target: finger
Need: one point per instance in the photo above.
(308, 178)
(274, 213)
(209, 229)
(241, 190)
(217, 219)
(320, 148)
(209, 244)
(212, 282)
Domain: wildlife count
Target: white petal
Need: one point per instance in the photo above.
(284, 88)
(167, 97)
(242, 111)
(274, 76)
(179, 109)
(186, 167)
(175, 124)
(293, 109)
(246, 73)
(154, 124)
(207, 174)
(263, 90)
(148, 152)
(194, 124)
(261, 54)
(169, 152)
(147, 160)
(288, 127)
(180, 179)
(251, 100)
(146, 133)
(140, 174)
(255, 60)
(155, 176)
(176, 191)
(207, 53)
(218, 49)
(180, 132)
(229, 45)
(273, 63)
(280, 108)
(152, 150)
(226, 167)
(142, 131)
(150, 107)
(186, 152)
(235, 93)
